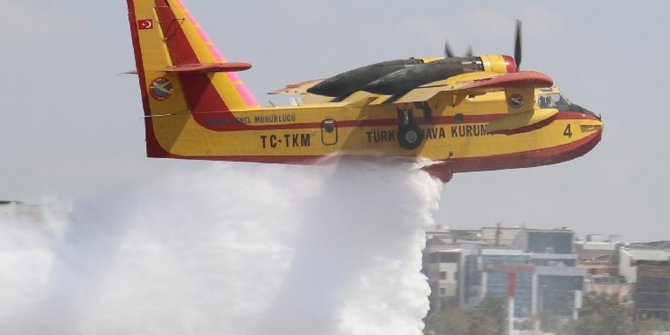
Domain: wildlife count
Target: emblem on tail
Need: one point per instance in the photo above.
(161, 88)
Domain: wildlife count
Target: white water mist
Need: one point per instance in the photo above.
(229, 249)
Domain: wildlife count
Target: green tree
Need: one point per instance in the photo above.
(601, 314)
(494, 309)
(649, 326)
(482, 324)
(448, 322)
(488, 318)
(551, 323)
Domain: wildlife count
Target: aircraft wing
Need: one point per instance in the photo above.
(476, 83)
(524, 79)
(456, 87)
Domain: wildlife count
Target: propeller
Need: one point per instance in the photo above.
(517, 45)
(450, 54)
(468, 53)
(447, 50)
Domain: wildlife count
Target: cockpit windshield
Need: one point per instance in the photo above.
(552, 100)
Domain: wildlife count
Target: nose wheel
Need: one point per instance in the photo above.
(409, 133)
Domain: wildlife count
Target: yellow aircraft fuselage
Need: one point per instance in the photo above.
(194, 112)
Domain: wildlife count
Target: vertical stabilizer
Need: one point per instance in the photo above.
(181, 72)
(178, 65)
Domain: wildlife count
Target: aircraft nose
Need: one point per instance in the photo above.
(592, 124)
(579, 109)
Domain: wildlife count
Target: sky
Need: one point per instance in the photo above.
(72, 125)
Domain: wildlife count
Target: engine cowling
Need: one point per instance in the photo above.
(404, 80)
(400, 76)
(498, 63)
(351, 81)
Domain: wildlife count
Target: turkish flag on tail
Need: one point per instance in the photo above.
(145, 24)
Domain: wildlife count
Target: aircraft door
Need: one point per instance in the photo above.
(329, 132)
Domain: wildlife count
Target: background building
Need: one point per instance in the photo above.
(551, 271)
(652, 291)
(647, 267)
(542, 263)
(450, 264)
(498, 265)
(599, 256)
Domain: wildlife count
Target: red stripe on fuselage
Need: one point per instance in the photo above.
(218, 121)
(525, 129)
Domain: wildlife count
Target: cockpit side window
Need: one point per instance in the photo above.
(552, 100)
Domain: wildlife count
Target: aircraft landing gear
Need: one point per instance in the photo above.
(409, 133)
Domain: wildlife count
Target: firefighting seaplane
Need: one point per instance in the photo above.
(470, 113)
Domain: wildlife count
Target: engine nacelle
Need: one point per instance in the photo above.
(404, 80)
(498, 63)
(351, 81)
(400, 76)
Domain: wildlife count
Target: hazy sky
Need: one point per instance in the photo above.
(73, 127)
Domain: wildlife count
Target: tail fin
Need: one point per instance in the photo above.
(179, 67)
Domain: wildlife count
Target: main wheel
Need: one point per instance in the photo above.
(409, 136)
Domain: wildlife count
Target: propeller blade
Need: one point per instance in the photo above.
(517, 45)
(468, 53)
(447, 50)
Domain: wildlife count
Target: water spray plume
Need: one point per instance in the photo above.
(229, 249)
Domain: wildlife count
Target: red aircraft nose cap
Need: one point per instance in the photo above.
(511, 64)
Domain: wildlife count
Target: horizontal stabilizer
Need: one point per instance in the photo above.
(209, 68)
